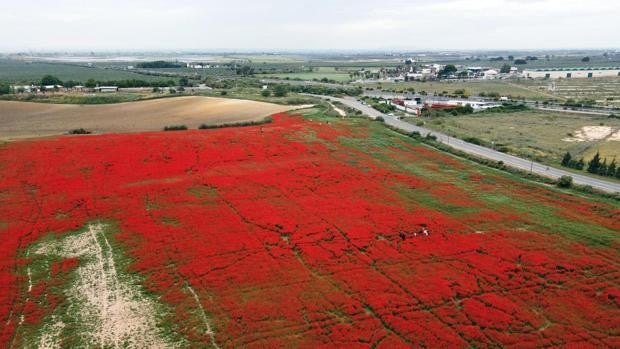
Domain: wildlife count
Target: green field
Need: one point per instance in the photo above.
(533, 134)
(554, 61)
(472, 87)
(109, 98)
(318, 73)
(22, 72)
(604, 91)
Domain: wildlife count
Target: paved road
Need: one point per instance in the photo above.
(307, 82)
(602, 111)
(484, 152)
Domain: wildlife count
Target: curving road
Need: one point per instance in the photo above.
(509, 160)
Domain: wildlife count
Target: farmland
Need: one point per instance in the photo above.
(473, 87)
(541, 135)
(329, 73)
(309, 231)
(602, 91)
(27, 119)
(560, 60)
(23, 72)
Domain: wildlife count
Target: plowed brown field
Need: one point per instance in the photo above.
(26, 119)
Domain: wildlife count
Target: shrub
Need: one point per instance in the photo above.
(380, 119)
(265, 93)
(79, 131)
(238, 124)
(280, 90)
(50, 80)
(223, 93)
(473, 140)
(175, 128)
(565, 182)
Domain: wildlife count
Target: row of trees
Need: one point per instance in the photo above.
(130, 83)
(595, 165)
(48, 80)
(159, 65)
(325, 90)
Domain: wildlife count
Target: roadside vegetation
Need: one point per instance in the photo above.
(381, 136)
(596, 165)
(538, 135)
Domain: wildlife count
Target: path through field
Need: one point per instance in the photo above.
(113, 312)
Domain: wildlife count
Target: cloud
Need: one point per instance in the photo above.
(316, 24)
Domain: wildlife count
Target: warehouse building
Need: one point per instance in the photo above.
(568, 73)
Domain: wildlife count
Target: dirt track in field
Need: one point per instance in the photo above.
(27, 119)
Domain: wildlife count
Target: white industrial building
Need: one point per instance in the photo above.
(568, 73)
(106, 89)
(490, 74)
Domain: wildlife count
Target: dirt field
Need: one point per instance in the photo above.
(25, 119)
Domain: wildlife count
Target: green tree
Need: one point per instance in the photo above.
(447, 70)
(265, 93)
(611, 169)
(505, 69)
(5, 89)
(183, 81)
(585, 59)
(520, 61)
(566, 159)
(595, 163)
(280, 90)
(602, 169)
(71, 83)
(565, 182)
(511, 58)
(245, 70)
(580, 164)
(90, 83)
(50, 80)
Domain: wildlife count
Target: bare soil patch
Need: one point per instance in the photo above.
(590, 133)
(26, 119)
(112, 310)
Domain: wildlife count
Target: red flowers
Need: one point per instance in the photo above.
(290, 238)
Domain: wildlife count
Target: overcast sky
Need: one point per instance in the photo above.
(308, 25)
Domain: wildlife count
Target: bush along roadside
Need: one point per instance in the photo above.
(499, 165)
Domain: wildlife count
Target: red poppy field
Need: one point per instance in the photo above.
(306, 232)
